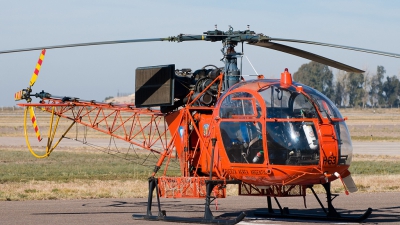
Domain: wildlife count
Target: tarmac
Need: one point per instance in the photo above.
(386, 210)
(386, 206)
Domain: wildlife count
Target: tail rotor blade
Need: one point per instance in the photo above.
(37, 68)
(34, 123)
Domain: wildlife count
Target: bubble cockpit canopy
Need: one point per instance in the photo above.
(290, 126)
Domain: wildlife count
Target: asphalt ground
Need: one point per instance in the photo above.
(386, 206)
(386, 210)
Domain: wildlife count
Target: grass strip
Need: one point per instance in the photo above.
(80, 175)
(21, 166)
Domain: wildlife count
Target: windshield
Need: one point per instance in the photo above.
(241, 133)
(290, 142)
(239, 105)
(290, 127)
(329, 110)
(242, 141)
(344, 143)
(325, 105)
(282, 103)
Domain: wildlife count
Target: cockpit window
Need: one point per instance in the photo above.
(282, 103)
(325, 105)
(241, 133)
(240, 104)
(242, 141)
(344, 143)
(275, 97)
(292, 143)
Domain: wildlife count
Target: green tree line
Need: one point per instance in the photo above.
(348, 89)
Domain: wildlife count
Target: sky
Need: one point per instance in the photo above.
(96, 72)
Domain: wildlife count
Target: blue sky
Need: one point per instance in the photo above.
(100, 71)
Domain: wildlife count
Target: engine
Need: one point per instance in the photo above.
(169, 87)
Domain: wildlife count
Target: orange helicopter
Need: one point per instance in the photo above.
(271, 137)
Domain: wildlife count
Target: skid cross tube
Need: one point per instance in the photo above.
(208, 217)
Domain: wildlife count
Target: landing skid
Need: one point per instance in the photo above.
(342, 218)
(190, 220)
(330, 214)
(208, 216)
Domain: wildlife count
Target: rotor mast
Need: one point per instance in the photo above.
(230, 40)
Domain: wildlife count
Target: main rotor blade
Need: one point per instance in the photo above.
(337, 46)
(86, 44)
(307, 55)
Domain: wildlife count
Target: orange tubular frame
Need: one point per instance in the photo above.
(149, 133)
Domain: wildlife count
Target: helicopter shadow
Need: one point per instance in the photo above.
(390, 215)
(174, 206)
(387, 215)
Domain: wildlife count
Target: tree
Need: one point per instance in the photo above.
(367, 87)
(376, 84)
(317, 76)
(391, 90)
(338, 98)
(340, 95)
(355, 88)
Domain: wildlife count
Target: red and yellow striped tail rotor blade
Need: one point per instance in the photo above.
(37, 68)
(34, 123)
(18, 95)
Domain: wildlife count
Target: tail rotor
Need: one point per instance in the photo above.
(26, 94)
